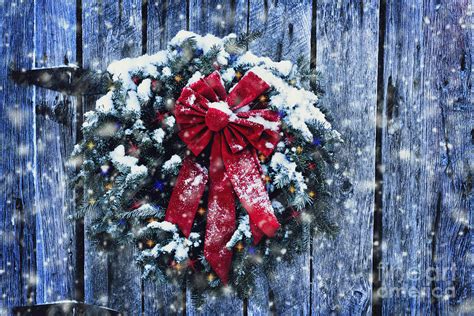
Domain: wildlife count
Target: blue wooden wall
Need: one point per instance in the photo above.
(398, 83)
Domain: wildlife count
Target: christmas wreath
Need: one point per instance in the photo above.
(210, 159)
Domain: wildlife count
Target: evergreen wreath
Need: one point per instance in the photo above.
(137, 147)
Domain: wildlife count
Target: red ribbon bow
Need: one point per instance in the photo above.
(205, 113)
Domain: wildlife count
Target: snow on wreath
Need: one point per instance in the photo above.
(210, 159)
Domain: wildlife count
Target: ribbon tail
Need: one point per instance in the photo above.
(220, 214)
(246, 177)
(186, 195)
(257, 234)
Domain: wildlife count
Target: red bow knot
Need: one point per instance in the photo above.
(216, 119)
(206, 113)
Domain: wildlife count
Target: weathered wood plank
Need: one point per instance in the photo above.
(220, 19)
(346, 51)
(453, 245)
(17, 166)
(54, 41)
(111, 30)
(427, 158)
(159, 299)
(165, 18)
(286, 28)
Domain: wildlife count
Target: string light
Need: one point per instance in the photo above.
(178, 78)
(176, 265)
(239, 247)
(299, 150)
(210, 277)
(159, 185)
(150, 243)
(292, 189)
(202, 211)
(90, 145)
(238, 75)
(312, 194)
(192, 264)
(136, 80)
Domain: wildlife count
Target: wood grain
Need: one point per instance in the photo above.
(111, 30)
(17, 165)
(346, 50)
(285, 27)
(55, 252)
(165, 18)
(218, 17)
(286, 34)
(427, 158)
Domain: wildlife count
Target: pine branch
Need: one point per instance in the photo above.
(241, 43)
(141, 213)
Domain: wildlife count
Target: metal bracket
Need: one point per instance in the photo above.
(70, 80)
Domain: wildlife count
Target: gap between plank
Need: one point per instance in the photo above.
(144, 26)
(188, 5)
(378, 194)
(19, 205)
(79, 288)
(312, 65)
